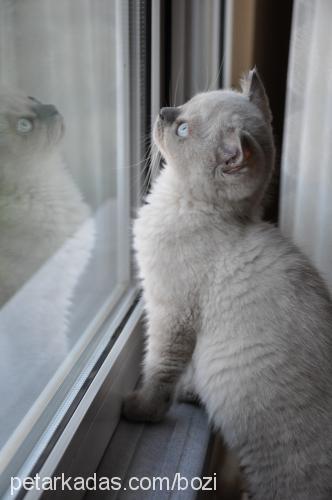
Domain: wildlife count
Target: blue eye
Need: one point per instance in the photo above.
(24, 125)
(183, 130)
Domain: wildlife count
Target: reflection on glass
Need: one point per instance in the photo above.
(61, 193)
(41, 207)
(46, 240)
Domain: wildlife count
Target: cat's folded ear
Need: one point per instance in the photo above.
(234, 150)
(253, 88)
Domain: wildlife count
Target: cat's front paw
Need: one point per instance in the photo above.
(140, 408)
(188, 397)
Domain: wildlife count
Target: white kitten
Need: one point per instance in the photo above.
(228, 293)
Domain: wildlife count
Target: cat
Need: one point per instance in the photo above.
(46, 240)
(40, 204)
(229, 298)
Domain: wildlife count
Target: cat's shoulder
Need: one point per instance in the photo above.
(285, 255)
(269, 234)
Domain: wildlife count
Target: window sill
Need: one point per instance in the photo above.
(178, 445)
(82, 439)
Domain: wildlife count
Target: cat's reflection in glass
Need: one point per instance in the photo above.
(46, 239)
(40, 204)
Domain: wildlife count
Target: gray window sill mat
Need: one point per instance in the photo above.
(178, 445)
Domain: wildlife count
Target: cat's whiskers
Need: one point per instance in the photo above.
(149, 170)
(213, 84)
(176, 87)
(153, 167)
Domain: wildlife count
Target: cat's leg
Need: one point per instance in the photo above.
(185, 390)
(170, 346)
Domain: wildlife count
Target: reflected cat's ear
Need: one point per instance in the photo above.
(253, 87)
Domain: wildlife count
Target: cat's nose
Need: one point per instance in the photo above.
(168, 115)
(44, 111)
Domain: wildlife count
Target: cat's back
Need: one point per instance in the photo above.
(265, 306)
(261, 259)
(264, 359)
(279, 267)
(265, 296)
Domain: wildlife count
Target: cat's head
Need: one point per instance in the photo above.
(28, 128)
(221, 142)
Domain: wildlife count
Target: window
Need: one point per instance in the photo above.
(65, 204)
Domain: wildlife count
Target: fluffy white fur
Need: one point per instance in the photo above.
(227, 293)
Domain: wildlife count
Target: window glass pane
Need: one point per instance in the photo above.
(64, 193)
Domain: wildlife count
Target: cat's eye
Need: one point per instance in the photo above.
(183, 130)
(24, 125)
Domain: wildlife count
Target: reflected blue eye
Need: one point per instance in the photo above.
(183, 130)
(24, 125)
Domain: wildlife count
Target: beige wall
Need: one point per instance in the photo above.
(243, 38)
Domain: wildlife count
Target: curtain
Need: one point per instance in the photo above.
(306, 194)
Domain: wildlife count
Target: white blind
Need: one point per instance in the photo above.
(306, 195)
